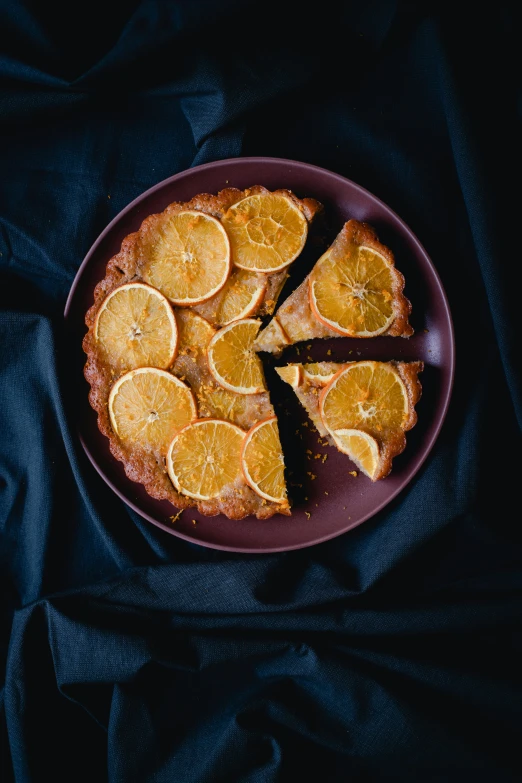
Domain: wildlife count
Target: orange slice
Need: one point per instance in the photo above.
(319, 373)
(267, 232)
(148, 406)
(242, 296)
(352, 291)
(262, 461)
(188, 257)
(195, 332)
(290, 374)
(361, 448)
(135, 327)
(232, 361)
(204, 458)
(365, 395)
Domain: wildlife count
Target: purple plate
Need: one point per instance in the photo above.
(334, 501)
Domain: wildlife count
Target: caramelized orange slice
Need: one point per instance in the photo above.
(291, 374)
(319, 373)
(148, 406)
(352, 292)
(203, 459)
(267, 232)
(262, 461)
(231, 358)
(370, 396)
(188, 257)
(136, 327)
(362, 449)
(241, 297)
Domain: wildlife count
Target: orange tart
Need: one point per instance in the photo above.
(177, 386)
(354, 290)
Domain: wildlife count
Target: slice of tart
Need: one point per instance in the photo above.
(364, 408)
(354, 290)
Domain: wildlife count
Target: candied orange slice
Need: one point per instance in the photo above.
(136, 327)
(319, 373)
(362, 449)
(148, 406)
(187, 258)
(290, 374)
(231, 358)
(195, 332)
(204, 458)
(365, 395)
(352, 289)
(262, 461)
(241, 296)
(267, 232)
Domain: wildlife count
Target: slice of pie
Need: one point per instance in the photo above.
(177, 387)
(364, 408)
(354, 290)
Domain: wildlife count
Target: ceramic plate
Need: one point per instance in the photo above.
(334, 501)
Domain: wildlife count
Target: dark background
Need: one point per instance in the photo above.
(392, 653)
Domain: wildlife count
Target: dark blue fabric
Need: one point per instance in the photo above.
(392, 653)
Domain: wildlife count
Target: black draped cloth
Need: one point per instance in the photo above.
(392, 653)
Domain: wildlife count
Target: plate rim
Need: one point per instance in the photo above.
(450, 364)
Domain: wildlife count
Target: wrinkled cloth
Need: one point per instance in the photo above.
(391, 653)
